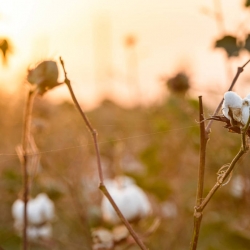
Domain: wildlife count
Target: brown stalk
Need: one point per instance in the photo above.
(24, 161)
(102, 187)
(201, 173)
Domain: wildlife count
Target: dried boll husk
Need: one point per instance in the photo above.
(44, 75)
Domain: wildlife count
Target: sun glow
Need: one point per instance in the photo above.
(89, 35)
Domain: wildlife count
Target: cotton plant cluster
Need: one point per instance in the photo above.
(40, 214)
(235, 108)
(131, 200)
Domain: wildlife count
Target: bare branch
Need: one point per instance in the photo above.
(101, 186)
(24, 161)
(201, 173)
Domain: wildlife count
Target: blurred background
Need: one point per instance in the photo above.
(137, 68)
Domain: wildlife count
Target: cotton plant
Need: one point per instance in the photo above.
(235, 112)
(131, 200)
(40, 214)
(40, 79)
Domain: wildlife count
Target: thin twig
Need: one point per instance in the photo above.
(201, 174)
(24, 162)
(239, 71)
(101, 186)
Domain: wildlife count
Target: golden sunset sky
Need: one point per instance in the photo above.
(90, 36)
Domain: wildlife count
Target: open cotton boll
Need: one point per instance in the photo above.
(130, 199)
(41, 232)
(47, 208)
(32, 233)
(44, 231)
(231, 107)
(17, 211)
(34, 212)
(39, 210)
(237, 186)
(245, 110)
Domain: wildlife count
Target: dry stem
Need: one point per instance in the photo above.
(101, 186)
(201, 173)
(25, 143)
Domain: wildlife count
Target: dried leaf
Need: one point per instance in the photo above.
(45, 76)
(229, 44)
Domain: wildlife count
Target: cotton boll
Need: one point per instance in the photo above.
(45, 76)
(46, 70)
(45, 231)
(130, 199)
(245, 110)
(46, 206)
(39, 210)
(232, 99)
(42, 232)
(231, 107)
(17, 211)
(34, 212)
(102, 239)
(169, 209)
(237, 186)
(32, 233)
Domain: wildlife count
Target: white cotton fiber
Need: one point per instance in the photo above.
(233, 102)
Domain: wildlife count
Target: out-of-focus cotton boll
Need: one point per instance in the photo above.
(169, 209)
(130, 199)
(237, 186)
(32, 233)
(42, 232)
(44, 75)
(47, 208)
(102, 239)
(45, 231)
(231, 107)
(17, 211)
(40, 212)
